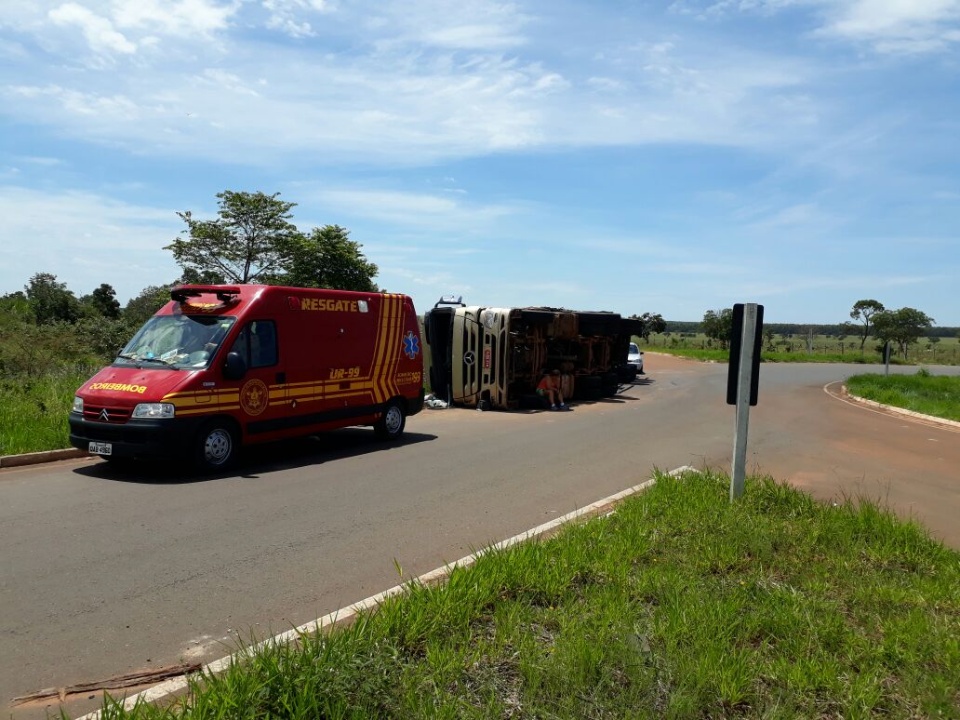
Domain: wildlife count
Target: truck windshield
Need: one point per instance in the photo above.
(181, 341)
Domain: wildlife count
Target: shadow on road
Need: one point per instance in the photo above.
(257, 460)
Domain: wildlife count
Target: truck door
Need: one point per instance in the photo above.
(466, 356)
(261, 392)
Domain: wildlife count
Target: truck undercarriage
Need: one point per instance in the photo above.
(494, 357)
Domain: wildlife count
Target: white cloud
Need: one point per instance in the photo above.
(408, 209)
(175, 17)
(472, 37)
(428, 83)
(463, 25)
(98, 31)
(896, 26)
(809, 217)
(285, 16)
(890, 26)
(885, 18)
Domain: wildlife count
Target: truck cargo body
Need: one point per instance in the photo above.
(494, 356)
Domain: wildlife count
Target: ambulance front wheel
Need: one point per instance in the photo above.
(391, 423)
(216, 446)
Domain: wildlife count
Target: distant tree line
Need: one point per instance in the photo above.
(869, 319)
(799, 329)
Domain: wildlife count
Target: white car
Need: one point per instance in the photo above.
(635, 358)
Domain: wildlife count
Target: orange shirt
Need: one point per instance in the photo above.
(548, 383)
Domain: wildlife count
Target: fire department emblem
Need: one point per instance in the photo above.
(411, 345)
(253, 397)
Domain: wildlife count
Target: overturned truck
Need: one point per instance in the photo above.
(493, 357)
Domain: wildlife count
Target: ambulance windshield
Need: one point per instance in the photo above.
(180, 341)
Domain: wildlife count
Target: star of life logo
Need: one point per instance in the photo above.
(411, 345)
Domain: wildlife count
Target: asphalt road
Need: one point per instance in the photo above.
(106, 572)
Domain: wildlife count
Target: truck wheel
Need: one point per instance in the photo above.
(391, 423)
(216, 444)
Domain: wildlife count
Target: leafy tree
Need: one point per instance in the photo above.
(326, 258)
(717, 325)
(242, 245)
(770, 337)
(104, 337)
(192, 276)
(139, 309)
(51, 301)
(15, 309)
(652, 323)
(863, 312)
(103, 302)
(903, 327)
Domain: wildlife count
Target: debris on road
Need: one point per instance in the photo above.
(142, 677)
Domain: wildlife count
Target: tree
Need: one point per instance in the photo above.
(326, 258)
(652, 323)
(51, 301)
(718, 325)
(103, 302)
(15, 309)
(903, 327)
(243, 244)
(863, 312)
(192, 276)
(141, 308)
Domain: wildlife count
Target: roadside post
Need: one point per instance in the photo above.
(743, 382)
(886, 357)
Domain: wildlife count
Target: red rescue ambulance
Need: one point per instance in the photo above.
(222, 365)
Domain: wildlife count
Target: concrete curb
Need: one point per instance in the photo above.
(40, 457)
(893, 410)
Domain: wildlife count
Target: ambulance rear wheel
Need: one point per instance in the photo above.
(391, 423)
(216, 446)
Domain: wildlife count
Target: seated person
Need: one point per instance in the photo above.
(549, 388)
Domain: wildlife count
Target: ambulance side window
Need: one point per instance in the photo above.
(257, 344)
(263, 343)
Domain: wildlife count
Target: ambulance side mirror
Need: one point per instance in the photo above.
(235, 367)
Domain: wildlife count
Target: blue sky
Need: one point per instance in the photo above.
(633, 156)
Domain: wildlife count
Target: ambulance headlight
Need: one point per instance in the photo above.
(154, 410)
(77, 405)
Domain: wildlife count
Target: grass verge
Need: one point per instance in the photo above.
(678, 605)
(34, 411)
(923, 393)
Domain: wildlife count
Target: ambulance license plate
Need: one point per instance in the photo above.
(100, 448)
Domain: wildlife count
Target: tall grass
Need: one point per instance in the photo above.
(34, 411)
(679, 605)
(931, 395)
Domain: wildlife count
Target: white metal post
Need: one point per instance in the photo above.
(744, 380)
